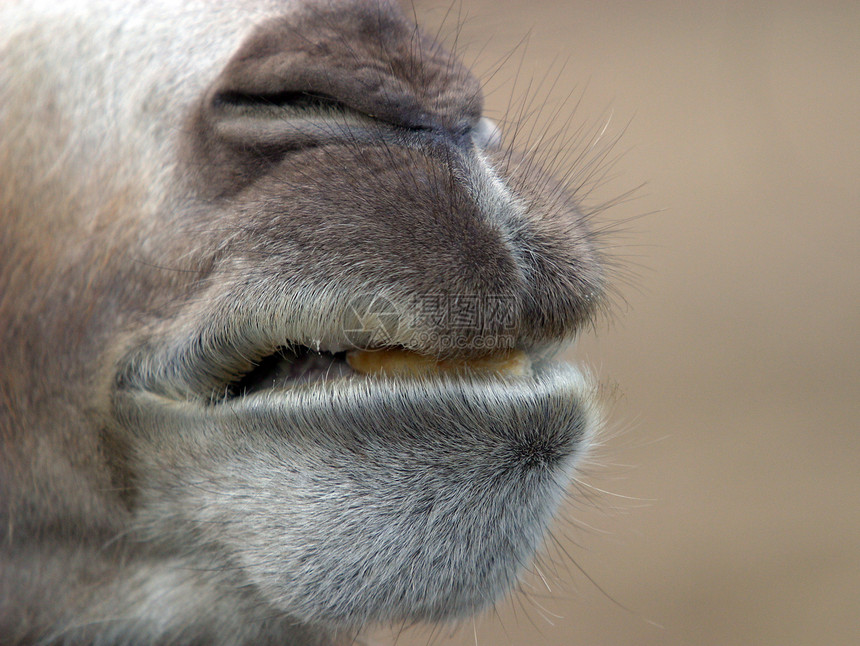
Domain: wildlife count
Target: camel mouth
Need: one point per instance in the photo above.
(211, 361)
(543, 409)
(525, 399)
(519, 384)
(350, 362)
(296, 365)
(290, 366)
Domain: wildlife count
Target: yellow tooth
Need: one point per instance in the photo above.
(404, 363)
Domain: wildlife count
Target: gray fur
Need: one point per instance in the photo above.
(184, 189)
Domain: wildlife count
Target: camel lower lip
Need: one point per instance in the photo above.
(411, 463)
(555, 403)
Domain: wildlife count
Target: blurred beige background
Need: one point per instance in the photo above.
(732, 455)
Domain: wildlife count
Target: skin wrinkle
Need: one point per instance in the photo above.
(187, 189)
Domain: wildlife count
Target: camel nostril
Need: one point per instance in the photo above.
(279, 102)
